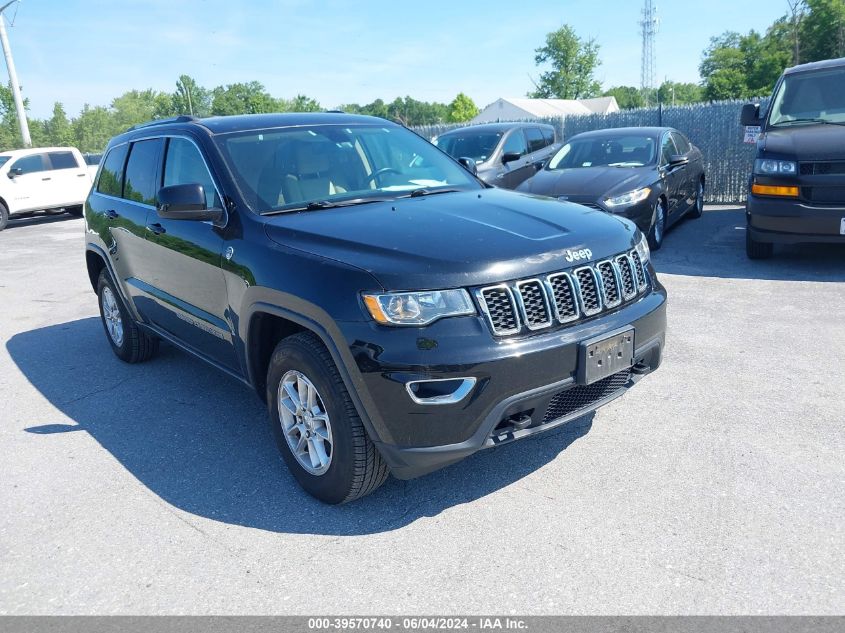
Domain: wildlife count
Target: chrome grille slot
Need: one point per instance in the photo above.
(627, 277)
(531, 295)
(609, 284)
(563, 295)
(499, 308)
(639, 270)
(588, 289)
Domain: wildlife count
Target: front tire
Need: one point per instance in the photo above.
(316, 426)
(128, 342)
(658, 226)
(755, 249)
(4, 216)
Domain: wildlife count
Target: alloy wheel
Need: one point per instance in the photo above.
(305, 422)
(111, 314)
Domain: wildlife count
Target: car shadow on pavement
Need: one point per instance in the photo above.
(714, 246)
(38, 218)
(201, 441)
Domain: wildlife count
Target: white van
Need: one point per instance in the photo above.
(42, 179)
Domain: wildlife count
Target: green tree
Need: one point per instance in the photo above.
(627, 97)
(301, 103)
(57, 129)
(243, 98)
(573, 64)
(462, 109)
(94, 127)
(822, 30)
(190, 97)
(737, 66)
(679, 93)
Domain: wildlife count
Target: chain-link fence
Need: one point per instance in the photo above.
(713, 127)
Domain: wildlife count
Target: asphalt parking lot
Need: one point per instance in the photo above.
(715, 486)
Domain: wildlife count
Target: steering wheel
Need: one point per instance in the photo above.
(380, 172)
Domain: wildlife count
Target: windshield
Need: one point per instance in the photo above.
(614, 151)
(478, 146)
(811, 96)
(4, 160)
(289, 168)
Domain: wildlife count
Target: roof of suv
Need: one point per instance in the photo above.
(243, 122)
(495, 127)
(827, 63)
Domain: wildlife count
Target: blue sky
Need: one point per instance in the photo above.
(342, 51)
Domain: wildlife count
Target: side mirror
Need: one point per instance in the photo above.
(15, 171)
(469, 165)
(750, 114)
(185, 202)
(677, 160)
(509, 157)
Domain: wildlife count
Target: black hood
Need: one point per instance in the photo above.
(454, 239)
(588, 184)
(804, 142)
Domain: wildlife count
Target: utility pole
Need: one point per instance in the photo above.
(13, 77)
(648, 65)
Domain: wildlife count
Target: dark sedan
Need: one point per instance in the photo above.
(505, 154)
(653, 176)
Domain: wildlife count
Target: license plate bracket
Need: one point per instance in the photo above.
(605, 355)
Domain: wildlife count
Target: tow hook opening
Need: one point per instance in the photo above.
(440, 391)
(515, 422)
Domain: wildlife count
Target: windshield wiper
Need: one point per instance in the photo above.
(809, 120)
(422, 191)
(318, 205)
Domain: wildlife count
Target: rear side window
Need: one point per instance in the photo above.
(141, 170)
(29, 164)
(63, 160)
(184, 165)
(111, 175)
(515, 143)
(535, 139)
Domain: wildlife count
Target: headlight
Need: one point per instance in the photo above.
(643, 250)
(418, 308)
(626, 199)
(774, 167)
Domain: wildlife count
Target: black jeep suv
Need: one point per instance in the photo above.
(395, 313)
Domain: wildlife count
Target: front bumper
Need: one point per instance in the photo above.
(514, 379)
(793, 221)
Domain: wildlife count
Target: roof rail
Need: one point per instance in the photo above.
(182, 118)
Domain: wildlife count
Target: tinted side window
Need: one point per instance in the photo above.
(184, 165)
(515, 143)
(548, 137)
(111, 175)
(667, 149)
(141, 170)
(535, 139)
(63, 160)
(29, 164)
(681, 142)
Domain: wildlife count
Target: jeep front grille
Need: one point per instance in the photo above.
(563, 297)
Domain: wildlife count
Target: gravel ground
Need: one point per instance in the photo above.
(713, 487)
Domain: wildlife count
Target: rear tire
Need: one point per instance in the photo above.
(755, 249)
(4, 217)
(322, 440)
(128, 342)
(698, 207)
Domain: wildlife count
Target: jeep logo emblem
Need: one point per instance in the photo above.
(574, 256)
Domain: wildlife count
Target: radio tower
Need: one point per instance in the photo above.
(648, 67)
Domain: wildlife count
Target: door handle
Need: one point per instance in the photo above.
(156, 229)
(80, 175)
(111, 214)
(47, 178)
